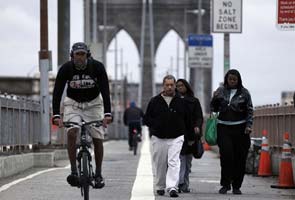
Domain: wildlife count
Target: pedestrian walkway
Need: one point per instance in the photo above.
(129, 177)
(204, 178)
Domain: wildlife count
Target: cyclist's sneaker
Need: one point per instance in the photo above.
(73, 179)
(98, 182)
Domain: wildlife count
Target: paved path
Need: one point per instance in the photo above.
(129, 177)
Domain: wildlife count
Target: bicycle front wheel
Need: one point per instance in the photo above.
(85, 176)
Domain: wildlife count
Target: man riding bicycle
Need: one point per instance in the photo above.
(133, 119)
(86, 79)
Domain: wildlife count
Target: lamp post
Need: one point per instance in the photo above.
(104, 47)
(177, 58)
(44, 67)
(115, 82)
(117, 86)
(116, 89)
(200, 78)
(226, 53)
(142, 35)
(200, 12)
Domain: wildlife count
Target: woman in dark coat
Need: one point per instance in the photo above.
(233, 102)
(196, 116)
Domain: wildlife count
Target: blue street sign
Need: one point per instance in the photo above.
(200, 51)
(200, 40)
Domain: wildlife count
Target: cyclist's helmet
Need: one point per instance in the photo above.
(80, 47)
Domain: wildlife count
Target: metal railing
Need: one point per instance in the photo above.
(19, 123)
(276, 120)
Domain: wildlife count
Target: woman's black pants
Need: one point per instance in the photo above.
(233, 146)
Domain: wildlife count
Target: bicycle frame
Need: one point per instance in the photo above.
(134, 140)
(84, 158)
(136, 137)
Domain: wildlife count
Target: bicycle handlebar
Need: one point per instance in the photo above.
(97, 123)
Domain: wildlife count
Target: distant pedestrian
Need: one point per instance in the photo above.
(195, 110)
(167, 116)
(233, 102)
(132, 118)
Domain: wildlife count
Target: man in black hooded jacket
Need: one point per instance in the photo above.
(168, 118)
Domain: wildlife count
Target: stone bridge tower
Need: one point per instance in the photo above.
(147, 22)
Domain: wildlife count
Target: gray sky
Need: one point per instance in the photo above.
(263, 54)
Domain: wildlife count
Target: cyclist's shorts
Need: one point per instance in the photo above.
(88, 111)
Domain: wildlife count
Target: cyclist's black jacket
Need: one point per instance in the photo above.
(82, 85)
(168, 122)
(132, 115)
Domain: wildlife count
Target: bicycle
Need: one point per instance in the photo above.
(84, 158)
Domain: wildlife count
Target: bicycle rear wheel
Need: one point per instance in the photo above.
(85, 176)
(134, 144)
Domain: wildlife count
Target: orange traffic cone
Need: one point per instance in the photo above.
(264, 162)
(206, 146)
(286, 172)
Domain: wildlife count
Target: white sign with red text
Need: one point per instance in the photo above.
(286, 15)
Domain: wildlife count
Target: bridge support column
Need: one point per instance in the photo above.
(147, 56)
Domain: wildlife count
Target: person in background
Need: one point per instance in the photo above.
(186, 92)
(132, 118)
(167, 116)
(234, 104)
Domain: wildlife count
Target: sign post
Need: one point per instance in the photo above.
(200, 56)
(227, 18)
(286, 15)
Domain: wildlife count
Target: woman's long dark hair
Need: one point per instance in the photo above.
(235, 73)
(189, 90)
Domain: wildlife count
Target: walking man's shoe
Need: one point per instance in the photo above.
(161, 192)
(173, 193)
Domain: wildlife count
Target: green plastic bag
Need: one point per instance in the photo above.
(211, 130)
